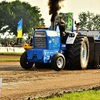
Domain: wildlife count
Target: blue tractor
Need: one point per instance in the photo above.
(49, 49)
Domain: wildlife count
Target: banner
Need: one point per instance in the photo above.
(70, 21)
(19, 49)
(3, 49)
(12, 49)
(19, 29)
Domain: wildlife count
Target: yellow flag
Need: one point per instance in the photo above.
(19, 29)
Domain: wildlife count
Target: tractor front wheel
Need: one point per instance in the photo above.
(24, 63)
(58, 62)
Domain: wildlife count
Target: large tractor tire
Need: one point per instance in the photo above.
(58, 62)
(78, 53)
(23, 61)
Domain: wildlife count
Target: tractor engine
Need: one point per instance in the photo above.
(46, 43)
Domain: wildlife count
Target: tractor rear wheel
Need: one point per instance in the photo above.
(78, 53)
(58, 61)
(24, 63)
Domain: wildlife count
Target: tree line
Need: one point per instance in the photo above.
(12, 12)
(7, 39)
(87, 21)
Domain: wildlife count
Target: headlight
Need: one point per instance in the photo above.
(71, 35)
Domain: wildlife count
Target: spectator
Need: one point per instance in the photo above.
(12, 43)
(6, 44)
(9, 45)
(0, 45)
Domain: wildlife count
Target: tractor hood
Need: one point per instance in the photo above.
(47, 39)
(47, 33)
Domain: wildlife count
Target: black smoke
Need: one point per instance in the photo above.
(54, 7)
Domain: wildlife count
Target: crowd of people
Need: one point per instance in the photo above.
(11, 44)
(8, 44)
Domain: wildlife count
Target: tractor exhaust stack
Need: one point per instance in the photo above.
(52, 25)
(54, 7)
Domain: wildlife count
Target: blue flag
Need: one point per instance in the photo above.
(19, 29)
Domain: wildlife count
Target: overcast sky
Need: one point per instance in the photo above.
(75, 6)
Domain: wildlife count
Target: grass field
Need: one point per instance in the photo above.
(10, 53)
(85, 95)
(9, 59)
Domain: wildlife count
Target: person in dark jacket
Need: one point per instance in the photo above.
(61, 25)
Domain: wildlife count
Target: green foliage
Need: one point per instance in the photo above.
(7, 39)
(85, 95)
(89, 21)
(12, 12)
(96, 23)
(65, 19)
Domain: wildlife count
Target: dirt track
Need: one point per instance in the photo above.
(9, 57)
(18, 83)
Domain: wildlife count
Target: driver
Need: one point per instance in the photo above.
(61, 25)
